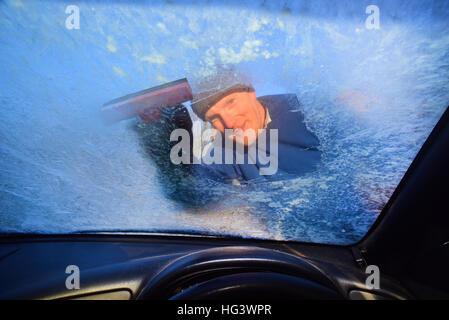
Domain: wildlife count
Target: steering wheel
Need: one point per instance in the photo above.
(240, 273)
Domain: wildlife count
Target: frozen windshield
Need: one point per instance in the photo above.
(354, 90)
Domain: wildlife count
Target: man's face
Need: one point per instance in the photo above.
(241, 112)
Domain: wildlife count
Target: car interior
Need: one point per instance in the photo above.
(409, 243)
(352, 94)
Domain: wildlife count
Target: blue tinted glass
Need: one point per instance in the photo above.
(371, 81)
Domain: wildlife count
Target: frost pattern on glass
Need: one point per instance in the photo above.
(371, 96)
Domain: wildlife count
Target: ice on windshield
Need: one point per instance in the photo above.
(371, 91)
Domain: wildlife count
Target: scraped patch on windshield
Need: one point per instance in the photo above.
(351, 94)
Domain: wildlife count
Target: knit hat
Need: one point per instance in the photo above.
(203, 101)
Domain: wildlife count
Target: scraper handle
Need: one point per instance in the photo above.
(147, 104)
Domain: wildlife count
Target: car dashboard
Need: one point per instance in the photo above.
(129, 267)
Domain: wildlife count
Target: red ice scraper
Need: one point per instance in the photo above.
(147, 104)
